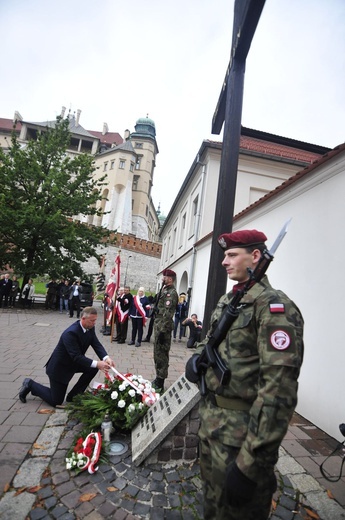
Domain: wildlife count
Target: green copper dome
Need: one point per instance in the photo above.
(145, 125)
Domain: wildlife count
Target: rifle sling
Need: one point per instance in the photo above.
(228, 403)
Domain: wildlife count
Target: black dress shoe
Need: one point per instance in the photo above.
(121, 341)
(25, 389)
(131, 343)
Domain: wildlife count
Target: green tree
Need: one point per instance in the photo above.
(41, 189)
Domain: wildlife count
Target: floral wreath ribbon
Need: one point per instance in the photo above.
(97, 445)
(148, 399)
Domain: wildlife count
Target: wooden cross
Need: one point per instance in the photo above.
(228, 111)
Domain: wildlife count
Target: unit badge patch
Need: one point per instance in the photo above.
(167, 303)
(277, 307)
(280, 340)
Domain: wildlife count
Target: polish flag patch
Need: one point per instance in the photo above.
(277, 307)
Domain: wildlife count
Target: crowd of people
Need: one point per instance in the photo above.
(65, 295)
(140, 311)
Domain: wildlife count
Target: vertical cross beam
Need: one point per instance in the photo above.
(229, 111)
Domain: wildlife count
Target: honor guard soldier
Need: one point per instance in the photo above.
(165, 308)
(244, 420)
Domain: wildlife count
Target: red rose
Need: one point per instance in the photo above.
(88, 451)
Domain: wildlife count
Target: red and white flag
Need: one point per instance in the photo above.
(111, 288)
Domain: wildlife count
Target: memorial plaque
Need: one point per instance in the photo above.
(162, 417)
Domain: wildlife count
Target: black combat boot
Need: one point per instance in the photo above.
(158, 384)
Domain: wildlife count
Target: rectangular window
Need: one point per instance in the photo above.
(131, 168)
(173, 244)
(193, 216)
(112, 165)
(105, 167)
(183, 228)
(138, 145)
(122, 164)
(135, 182)
(137, 164)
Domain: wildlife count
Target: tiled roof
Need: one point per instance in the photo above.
(262, 147)
(125, 146)
(7, 124)
(109, 138)
(270, 149)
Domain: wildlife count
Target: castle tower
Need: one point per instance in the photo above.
(145, 145)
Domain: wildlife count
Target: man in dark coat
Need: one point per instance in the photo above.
(67, 359)
(5, 289)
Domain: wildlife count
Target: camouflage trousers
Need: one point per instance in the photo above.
(161, 351)
(214, 459)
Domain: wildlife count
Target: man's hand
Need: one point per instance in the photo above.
(238, 489)
(104, 365)
(110, 362)
(192, 373)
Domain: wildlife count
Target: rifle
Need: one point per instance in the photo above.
(154, 310)
(210, 356)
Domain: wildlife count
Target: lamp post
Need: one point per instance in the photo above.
(130, 256)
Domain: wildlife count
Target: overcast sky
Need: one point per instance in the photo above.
(118, 61)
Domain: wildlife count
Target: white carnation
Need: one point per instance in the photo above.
(122, 387)
(131, 392)
(131, 408)
(121, 403)
(114, 395)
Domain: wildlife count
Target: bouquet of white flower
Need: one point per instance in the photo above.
(125, 398)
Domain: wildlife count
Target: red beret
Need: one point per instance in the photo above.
(169, 272)
(245, 238)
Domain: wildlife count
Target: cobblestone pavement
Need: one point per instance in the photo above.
(34, 440)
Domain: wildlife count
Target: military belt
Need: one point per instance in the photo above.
(228, 403)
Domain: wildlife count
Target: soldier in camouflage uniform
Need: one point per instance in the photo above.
(244, 422)
(163, 325)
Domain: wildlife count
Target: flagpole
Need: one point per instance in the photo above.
(114, 298)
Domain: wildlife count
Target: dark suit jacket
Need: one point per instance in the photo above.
(5, 287)
(69, 357)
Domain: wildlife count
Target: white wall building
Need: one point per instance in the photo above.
(265, 162)
(308, 267)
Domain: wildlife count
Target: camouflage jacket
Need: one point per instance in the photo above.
(166, 308)
(263, 350)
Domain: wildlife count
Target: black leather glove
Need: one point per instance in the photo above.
(192, 373)
(161, 337)
(238, 489)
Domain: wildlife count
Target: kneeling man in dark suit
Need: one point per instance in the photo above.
(67, 359)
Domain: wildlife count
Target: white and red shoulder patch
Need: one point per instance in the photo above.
(277, 307)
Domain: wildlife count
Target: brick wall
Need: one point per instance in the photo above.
(181, 445)
(139, 270)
